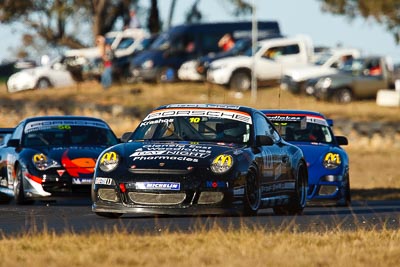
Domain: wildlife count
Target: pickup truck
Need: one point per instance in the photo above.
(361, 79)
(326, 63)
(271, 58)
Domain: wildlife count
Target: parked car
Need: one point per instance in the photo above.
(52, 74)
(361, 79)
(51, 156)
(88, 64)
(271, 58)
(7, 68)
(182, 43)
(196, 69)
(201, 159)
(328, 163)
(327, 63)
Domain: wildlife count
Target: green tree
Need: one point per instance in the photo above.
(71, 23)
(385, 12)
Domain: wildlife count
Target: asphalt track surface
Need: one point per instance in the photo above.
(75, 215)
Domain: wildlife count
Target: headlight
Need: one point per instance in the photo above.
(217, 67)
(332, 161)
(109, 161)
(222, 164)
(42, 162)
(324, 83)
(148, 64)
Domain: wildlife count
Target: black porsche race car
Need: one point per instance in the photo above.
(52, 156)
(201, 159)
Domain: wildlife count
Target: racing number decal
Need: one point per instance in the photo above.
(64, 127)
(194, 120)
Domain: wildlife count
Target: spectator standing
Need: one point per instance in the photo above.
(107, 56)
(226, 42)
(133, 21)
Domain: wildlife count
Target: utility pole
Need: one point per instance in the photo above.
(254, 38)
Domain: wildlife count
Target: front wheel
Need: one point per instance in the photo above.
(345, 200)
(43, 83)
(344, 96)
(240, 81)
(252, 194)
(298, 200)
(19, 191)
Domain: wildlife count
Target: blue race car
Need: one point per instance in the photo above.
(328, 163)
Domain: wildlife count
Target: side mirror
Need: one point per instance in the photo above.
(125, 137)
(264, 140)
(13, 143)
(342, 140)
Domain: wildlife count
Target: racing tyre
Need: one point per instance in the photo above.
(19, 193)
(252, 193)
(345, 201)
(344, 96)
(109, 215)
(240, 81)
(43, 83)
(298, 201)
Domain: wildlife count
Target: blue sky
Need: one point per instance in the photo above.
(294, 17)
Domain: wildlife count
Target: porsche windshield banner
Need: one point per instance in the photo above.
(214, 113)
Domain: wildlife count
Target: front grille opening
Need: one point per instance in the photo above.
(108, 194)
(210, 197)
(325, 190)
(157, 198)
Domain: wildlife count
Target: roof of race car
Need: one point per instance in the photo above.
(211, 106)
(296, 115)
(292, 112)
(61, 117)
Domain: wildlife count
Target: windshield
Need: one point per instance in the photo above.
(216, 127)
(322, 58)
(67, 133)
(248, 52)
(162, 42)
(303, 131)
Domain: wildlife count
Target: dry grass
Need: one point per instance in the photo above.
(217, 247)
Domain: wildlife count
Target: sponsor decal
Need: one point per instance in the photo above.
(60, 172)
(278, 187)
(223, 160)
(214, 113)
(297, 118)
(158, 185)
(166, 158)
(103, 180)
(171, 152)
(108, 157)
(203, 106)
(75, 167)
(81, 180)
(216, 184)
(332, 157)
(61, 124)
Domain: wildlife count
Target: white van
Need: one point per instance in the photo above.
(271, 58)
